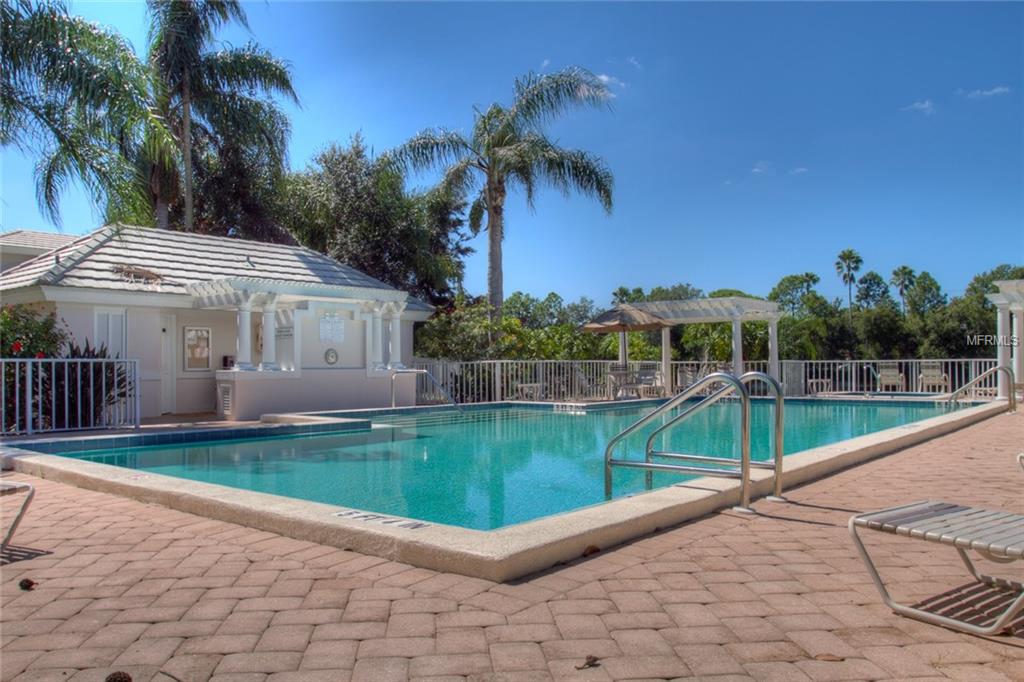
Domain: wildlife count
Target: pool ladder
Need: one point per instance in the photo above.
(730, 466)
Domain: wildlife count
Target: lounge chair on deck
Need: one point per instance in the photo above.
(13, 488)
(651, 383)
(932, 379)
(995, 535)
(622, 380)
(890, 377)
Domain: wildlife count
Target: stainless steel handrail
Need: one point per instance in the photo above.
(444, 391)
(777, 448)
(1012, 395)
(779, 426)
(744, 464)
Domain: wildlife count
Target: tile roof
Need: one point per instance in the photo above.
(127, 258)
(44, 241)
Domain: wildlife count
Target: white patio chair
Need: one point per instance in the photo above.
(932, 379)
(890, 377)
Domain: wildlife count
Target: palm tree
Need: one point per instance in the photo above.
(903, 278)
(221, 93)
(848, 262)
(68, 92)
(508, 149)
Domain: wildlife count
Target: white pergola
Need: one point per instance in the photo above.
(734, 309)
(1009, 301)
(281, 299)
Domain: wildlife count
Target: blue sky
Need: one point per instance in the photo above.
(748, 141)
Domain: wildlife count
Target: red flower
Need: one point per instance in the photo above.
(16, 347)
(40, 355)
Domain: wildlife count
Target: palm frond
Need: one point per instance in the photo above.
(250, 68)
(246, 121)
(541, 98)
(477, 210)
(431, 149)
(458, 178)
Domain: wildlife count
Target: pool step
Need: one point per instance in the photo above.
(454, 418)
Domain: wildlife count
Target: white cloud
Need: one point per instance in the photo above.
(799, 170)
(926, 107)
(545, 64)
(635, 63)
(982, 94)
(727, 182)
(611, 82)
(762, 168)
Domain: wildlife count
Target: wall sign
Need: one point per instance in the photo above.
(332, 328)
(331, 356)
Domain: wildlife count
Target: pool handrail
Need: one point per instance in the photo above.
(444, 391)
(744, 464)
(779, 426)
(779, 421)
(1011, 394)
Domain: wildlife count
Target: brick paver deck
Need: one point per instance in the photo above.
(779, 596)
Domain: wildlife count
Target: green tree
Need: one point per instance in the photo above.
(224, 93)
(356, 209)
(627, 295)
(903, 278)
(925, 295)
(791, 289)
(70, 93)
(578, 313)
(848, 263)
(677, 292)
(508, 149)
(882, 333)
(872, 291)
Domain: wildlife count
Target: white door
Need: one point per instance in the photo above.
(168, 353)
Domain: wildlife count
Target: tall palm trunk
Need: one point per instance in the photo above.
(160, 203)
(495, 235)
(162, 214)
(849, 301)
(186, 144)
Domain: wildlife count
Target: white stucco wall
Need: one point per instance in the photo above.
(315, 386)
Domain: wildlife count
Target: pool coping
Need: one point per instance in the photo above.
(499, 555)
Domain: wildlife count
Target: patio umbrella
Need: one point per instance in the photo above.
(624, 318)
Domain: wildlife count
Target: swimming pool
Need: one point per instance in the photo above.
(489, 467)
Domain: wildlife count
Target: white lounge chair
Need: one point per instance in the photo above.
(650, 383)
(995, 535)
(13, 488)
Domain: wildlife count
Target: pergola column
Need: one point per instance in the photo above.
(737, 347)
(1003, 347)
(377, 344)
(1018, 350)
(395, 351)
(666, 358)
(243, 349)
(269, 361)
(773, 349)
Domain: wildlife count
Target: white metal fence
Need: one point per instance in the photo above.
(49, 394)
(565, 380)
(810, 377)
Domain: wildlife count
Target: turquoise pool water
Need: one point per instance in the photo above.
(491, 466)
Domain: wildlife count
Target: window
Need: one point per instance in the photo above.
(111, 331)
(197, 349)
